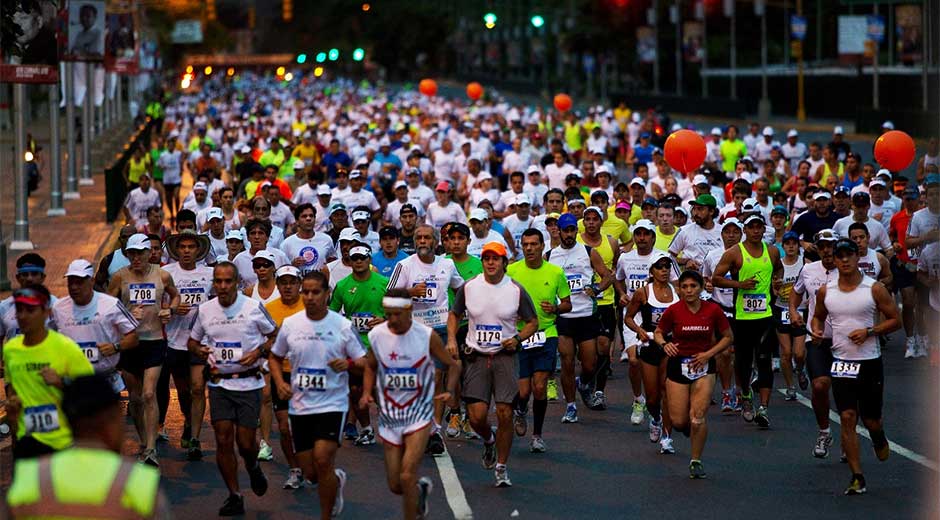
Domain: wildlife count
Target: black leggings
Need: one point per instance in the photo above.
(177, 364)
(750, 337)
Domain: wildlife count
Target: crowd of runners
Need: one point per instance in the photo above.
(359, 265)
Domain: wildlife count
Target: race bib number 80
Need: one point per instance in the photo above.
(227, 353)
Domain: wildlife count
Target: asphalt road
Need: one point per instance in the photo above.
(604, 466)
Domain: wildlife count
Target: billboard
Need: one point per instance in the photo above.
(909, 29)
(30, 43)
(645, 44)
(121, 43)
(693, 41)
(86, 31)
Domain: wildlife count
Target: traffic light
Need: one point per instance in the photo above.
(334, 54)
(358, 54)
(537, 21)
(210, 10)
(321, 57)
(287, 12)
(301, 59)
(489, 20)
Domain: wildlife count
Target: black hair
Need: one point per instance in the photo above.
(301, 207)
(31, 259)
(859, 226)
(256, 222)
(185, 215)
(694, 275)
(533, 232)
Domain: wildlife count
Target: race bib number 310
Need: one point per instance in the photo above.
(90, 349)
(41, 419)
(536, 340)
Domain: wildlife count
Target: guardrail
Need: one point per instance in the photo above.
(114, 184)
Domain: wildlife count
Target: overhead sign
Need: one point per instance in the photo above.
(798, 27)
(32, 55)
(876, 28)
(187, 31)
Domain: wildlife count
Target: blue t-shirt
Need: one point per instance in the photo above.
(385, 266)
(332, 160)
(643, 154)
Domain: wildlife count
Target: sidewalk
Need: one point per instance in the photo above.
(82, 233)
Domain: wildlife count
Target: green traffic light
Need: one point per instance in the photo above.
(334, 54)
(301, 58)
(537, 21)
(489, 18)
(321, 57)
(358, 54)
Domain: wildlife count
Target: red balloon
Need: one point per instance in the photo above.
(428, 87)
(562, 102)
(474, 90)
(685, 150)
(894, 150)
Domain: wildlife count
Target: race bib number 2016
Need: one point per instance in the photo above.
(401, 379)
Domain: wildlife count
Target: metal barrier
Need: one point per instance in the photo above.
(114, 184)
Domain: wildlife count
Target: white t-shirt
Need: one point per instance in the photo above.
(929, 262)
(556, 174)
(138, 202)
(431, 308)
(444, 166)
(231, 332)
(721, 296)
(878, 237)
(922, 222)
(516, 227)
(281, 215)
(694, 242)
(310, 345)
(811, 278)
(365, 198)
(304, 194)
(794, 154)
(422, 196)
(634, 270)
(314, 250)
(195, 288)
(338, 271)
(169, 162)
(475, 247)
(437, 216)
(103, 320)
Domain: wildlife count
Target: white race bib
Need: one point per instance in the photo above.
(401, 379)
(90, 349)
(192, 296)
(488, 335)
(41, 419)
(845, 369)
(536, 340)
(227, 352)
(635, 281)
(691, 372)
(310, 379)
(142, 293)
(755, 302)
(430, 293)
(785, 316)
(360, 321)
(575, 283)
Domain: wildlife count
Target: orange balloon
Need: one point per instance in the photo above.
(474, 90)
(894, 150)
(428, 87)
(685, 150)
(562, 102)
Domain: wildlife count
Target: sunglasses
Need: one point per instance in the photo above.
(262, 265)
(662, 265)
(356, 258)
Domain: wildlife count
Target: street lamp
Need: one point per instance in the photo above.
(537, 21)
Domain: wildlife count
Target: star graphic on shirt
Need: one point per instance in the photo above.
(393, 356)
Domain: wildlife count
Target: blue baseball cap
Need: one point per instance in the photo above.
(567, 220)
(644, 135)
(842, 189)
(790, 235)
(779, 210)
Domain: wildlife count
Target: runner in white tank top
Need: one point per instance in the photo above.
(400, 367)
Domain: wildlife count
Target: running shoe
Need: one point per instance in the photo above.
(665, 446)
(791, 394)
(624, 356)
(489, 455)
(600, 401)
(775, 363)
(366, 437)
(552, 389)
(259, 482)
(425, 486)
(921, 350)
(435, 444)
(295, 479)
(571, 414)
(656, 430)
(911, 350)
(737, 402)
(195, 450)
(803, 380)
(468, 432)
(149, 457)
(162, 435)
(519, 423)
(234, 506)
(639, 412)
(587, 396)
(502, 477)
(882, 451)
(265, 452)
(453, 426)
(696, 469)
(761, 418)
(856, 486)
(823, 441)
(339, 503)
(184, 438)
(537, 445)
(350, 431)
(726, 404)
(747, 408)
(842, 458)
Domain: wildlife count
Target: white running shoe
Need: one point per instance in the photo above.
(639, 412)
(656, 430)
(665, 446)
(338, 505)
(911, 350)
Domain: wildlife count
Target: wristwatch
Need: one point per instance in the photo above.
(117, 347)
(870, 332)
(518, 340)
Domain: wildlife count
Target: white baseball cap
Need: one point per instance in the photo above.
(484, 176)
(768, 131)
(522, 198)
(350, 235)
(731, 220)
(533, 169)
(361, 215)
(838, 130)
(81, 268)
(595, 209)
(822, 195)
(877, 182)
(287, 270)
(754, 218)
(324, 189)
(264, 254)
(644, 223)
(214, 213)
(200, 186)
(749, 204)
(699, 179)
(479, 214)
(639, 181)
(888, 124)
(793, 133)
(138, 241)
(246, 149)
(298, 164)
(235, 234)
(401, 184)
(716, 131)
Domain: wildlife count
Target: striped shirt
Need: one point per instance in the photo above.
(405, 376)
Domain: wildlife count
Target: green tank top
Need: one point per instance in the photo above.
(754, 304)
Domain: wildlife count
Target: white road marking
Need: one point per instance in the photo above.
(456, 498)
(895, 447)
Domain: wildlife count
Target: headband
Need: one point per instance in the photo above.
(396, 303)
